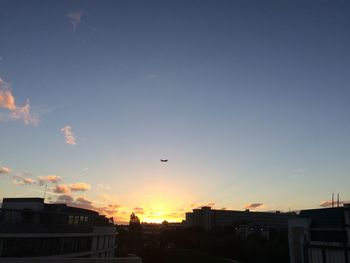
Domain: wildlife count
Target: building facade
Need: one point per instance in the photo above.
(320, 236)
(31, 228)
(210, 218)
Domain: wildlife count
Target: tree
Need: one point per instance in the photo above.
(135, 225)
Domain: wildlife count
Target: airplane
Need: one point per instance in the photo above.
(163, 160)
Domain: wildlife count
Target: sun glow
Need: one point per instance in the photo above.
(158, 211)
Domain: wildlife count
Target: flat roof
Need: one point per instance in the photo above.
(23, 199)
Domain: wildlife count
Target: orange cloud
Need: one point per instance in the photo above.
(7, 101)
(49, 179)
(4, 170)
(109, 210)
(21, 180)
(139, 210)
(61, 189)
(79, 187)
(68, 135)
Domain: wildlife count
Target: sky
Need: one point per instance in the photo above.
(248, 100)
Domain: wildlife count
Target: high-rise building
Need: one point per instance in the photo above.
(31, 228)
(320, 236)
(211, 218)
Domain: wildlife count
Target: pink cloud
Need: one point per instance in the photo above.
(79, 187)
(7, 101)
(68, 135)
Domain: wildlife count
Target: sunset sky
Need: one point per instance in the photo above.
(249, 101)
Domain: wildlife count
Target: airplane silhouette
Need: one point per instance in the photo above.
(163, 160)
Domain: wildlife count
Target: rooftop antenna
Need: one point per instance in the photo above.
(332, 200)
(338, 200)
(45, 191)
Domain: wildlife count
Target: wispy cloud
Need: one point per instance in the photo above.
(22, 180)
(253, 205)
(298, 173)
(68, 135)
(4, 170)
(55, 179)
(7, 101)
(103, 187)
(152, 76)
(79, 187)
(75, 18)
(139, 210)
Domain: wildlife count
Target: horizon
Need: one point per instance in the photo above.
(247, 102)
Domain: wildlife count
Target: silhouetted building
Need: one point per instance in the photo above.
(210, 218)
(31, 228)
(320, 236)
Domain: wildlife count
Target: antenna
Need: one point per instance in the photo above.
(332, 200)
(338, 200)
(45, 191)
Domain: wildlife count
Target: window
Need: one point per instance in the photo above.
(76, 220)
(70, 220)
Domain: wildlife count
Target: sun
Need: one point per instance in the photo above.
(160, 211)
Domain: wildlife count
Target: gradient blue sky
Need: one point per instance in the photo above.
(249, 100)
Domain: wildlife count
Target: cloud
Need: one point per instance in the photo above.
(4, 170)
(82, 202)
(329, 203)
(103, 187)
(7, 101)
(152, 76)
(253, 205)
(55, 179)
(21, 180)
(68, 135)
(139, 210)
(200, 205)
(61, 189)
(79, 187)
(67, 189)
(298, 173)
(109, 210)
(75, 18)
(64, 199)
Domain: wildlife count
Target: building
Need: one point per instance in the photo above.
(211, 218)
(320, 236)
(31, 228)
